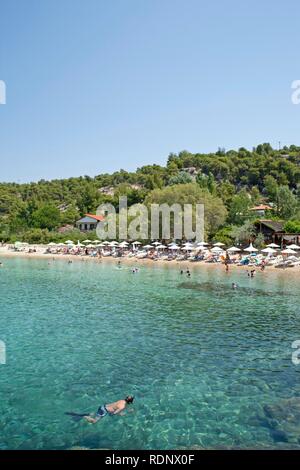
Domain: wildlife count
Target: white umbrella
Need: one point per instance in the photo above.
(69, 242)
(173, 247)
(269, 250)
(219, 244)
(51, 244)
(148, 247)
(233, 249)
(216, 249)
(106, 243)
(273, 245)
(156, 243)
(90, 246)
(87, 241)
(161, 247)
(202, 244)
(288, 251)
(79, 244)
(188, 245)
(250, 248)
(187, 248)
(136, 243)
(294, 247)
(114, 243)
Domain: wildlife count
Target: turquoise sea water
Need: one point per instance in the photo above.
(203, 361)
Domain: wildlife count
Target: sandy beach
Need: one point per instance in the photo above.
(6, 252)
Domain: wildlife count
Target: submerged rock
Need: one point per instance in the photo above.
(283, 420)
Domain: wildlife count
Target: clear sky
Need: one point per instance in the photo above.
(98, 85)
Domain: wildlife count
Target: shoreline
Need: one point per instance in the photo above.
(40, 254)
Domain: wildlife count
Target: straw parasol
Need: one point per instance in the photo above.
(216, 249)
(294, 247)
(273, 245)
(288, 251)
(250, 248)
(269, 250)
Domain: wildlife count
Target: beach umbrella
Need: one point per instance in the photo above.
(79, 244)
(90, 246)
(161, 247)
(136, 243)
(219, 244)
(216, 249)
(148, 247)
(114, 243)
(273, 245)
(87, 241)
(250, 248)
(187, 248)
(188, 245)
(269, 250)
(232, 249)
(288, 251)
(294, 247)
(106, 242)
(69, 242)
(173, 247)
(202, 244)
(156, 243)
(51, 244)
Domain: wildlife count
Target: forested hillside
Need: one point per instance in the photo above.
(230, 182)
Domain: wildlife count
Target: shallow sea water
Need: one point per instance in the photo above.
(202, 360)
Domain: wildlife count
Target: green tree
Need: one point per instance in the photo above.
(46, 217)
(239, 208)
(286, 203)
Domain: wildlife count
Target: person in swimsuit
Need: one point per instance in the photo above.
(110, 409)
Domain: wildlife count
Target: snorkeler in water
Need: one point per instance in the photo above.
(110, 409)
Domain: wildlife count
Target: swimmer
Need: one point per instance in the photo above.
(110, 409)
(234, 285)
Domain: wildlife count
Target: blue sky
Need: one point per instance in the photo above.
(94, 86)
